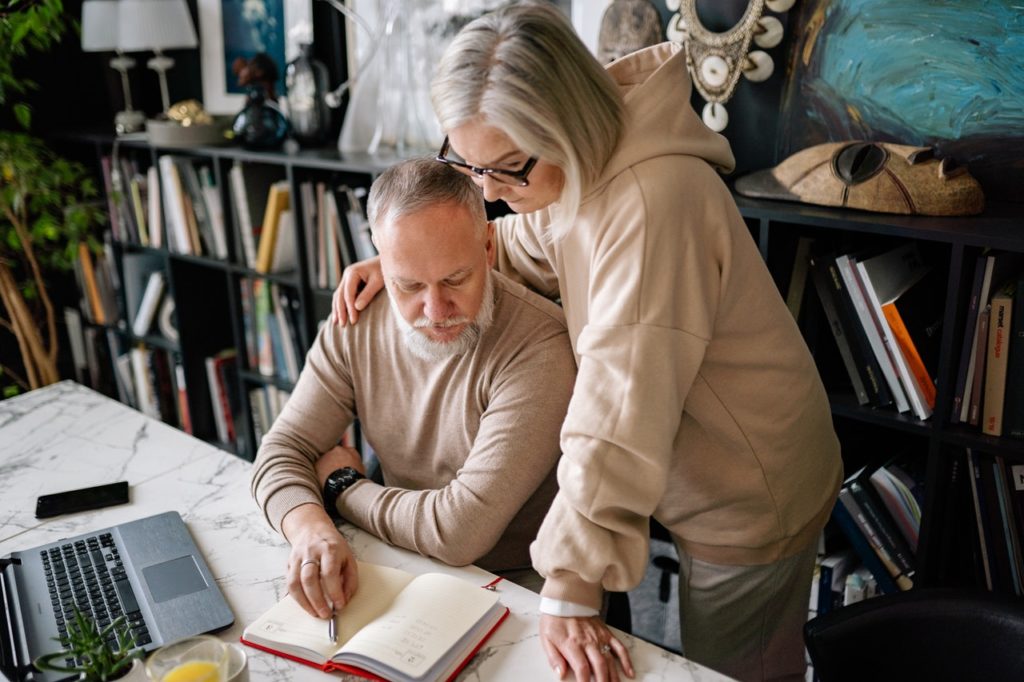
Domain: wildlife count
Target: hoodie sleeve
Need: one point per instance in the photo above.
(522, 256)
(639, 355)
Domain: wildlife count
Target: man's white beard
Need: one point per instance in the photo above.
(422, 346)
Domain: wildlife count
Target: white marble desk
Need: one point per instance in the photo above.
(67, 436)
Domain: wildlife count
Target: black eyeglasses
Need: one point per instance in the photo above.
(506, 177)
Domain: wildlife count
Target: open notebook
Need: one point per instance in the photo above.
(398, 626)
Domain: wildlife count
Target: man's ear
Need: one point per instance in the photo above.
(492, 245)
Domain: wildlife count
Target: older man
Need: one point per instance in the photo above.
(460, 379)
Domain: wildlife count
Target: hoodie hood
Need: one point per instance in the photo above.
(660, 120)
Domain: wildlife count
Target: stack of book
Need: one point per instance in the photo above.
(997, 491)
(885, 312)
(191, 201)
(879, 511)
(270, 316)
(338, 233)
(989, 390)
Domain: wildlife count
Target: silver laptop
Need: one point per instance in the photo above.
(148, 570)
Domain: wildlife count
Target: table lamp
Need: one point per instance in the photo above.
(100, 34)
(156, 25)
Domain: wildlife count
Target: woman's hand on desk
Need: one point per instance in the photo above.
(321, 571)
(586, 646)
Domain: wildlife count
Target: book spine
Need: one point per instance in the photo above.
(874, 381)
(848, 272)
(888, 535)
(980, 356)
(996, 364)
(820, 278)
(1011, 536)
(919, 373)
(860, 545)
(979, 512)
(1013, 413)
(906, 379)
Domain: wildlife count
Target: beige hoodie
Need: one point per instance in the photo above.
(696, 401)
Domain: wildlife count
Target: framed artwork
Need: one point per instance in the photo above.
(949, 78)
(239, 29)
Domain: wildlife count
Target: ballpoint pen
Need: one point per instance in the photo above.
(331, 631)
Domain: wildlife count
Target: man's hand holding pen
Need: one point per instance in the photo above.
(322, 574)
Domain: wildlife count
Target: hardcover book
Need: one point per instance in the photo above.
(398, 626)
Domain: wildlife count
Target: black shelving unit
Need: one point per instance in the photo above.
(212, 318)
(952, 243)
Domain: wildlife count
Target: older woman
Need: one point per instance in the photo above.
(697, 402)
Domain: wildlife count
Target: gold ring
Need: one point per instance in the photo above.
(308, 561)
(605, 649)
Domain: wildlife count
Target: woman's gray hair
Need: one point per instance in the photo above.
(411, 185)
(523, 70)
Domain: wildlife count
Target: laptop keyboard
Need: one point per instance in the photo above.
(88, 574)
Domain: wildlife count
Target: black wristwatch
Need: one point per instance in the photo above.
(338, 482)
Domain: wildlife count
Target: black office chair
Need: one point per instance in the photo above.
(925, 634)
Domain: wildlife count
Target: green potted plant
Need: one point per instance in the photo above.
(44, 209)
(95, 657)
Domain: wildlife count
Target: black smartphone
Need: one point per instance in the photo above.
(82, 499)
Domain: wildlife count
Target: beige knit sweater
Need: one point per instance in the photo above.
(467, 446)
(697, 401)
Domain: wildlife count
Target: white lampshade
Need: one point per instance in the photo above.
(99, 25)
(154, 25)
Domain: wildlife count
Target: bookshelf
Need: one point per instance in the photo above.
(212, 307)
(947, 547)
(215, 294)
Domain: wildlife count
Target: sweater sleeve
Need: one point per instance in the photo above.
(521, 255)
(313, 420)
(514, 450)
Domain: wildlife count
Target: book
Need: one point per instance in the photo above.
(178, 234)
(977, 369)
(91, 289)
(398, 626)
(916, 318)
(358, 225)
(155, 218)
(859, 541)
(998, 267)
(73, 325)
(884, 279)
(1013, 412)
(215, 212)
(899, 500)
(874, 539)
(278, 201)
(981, 523)
(137, 270)
(996, 360)
(961, 387)
(150, 304)
(832, 573)
(826, 294)
(250, 187)
(285, 256)
(1011, 534)
(878, 516)
(184, 414)
(851, 280)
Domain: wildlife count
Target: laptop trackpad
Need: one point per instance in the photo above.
(174, 578)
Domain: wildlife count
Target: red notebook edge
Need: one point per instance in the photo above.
(331, 665)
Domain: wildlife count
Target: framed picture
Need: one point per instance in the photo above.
(239, 29)
(942, 80)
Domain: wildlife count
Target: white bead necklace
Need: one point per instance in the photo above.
(716, 60)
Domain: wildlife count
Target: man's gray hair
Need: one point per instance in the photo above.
(412, 185)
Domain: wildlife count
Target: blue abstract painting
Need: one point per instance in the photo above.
(251, 27)
(948, 73)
